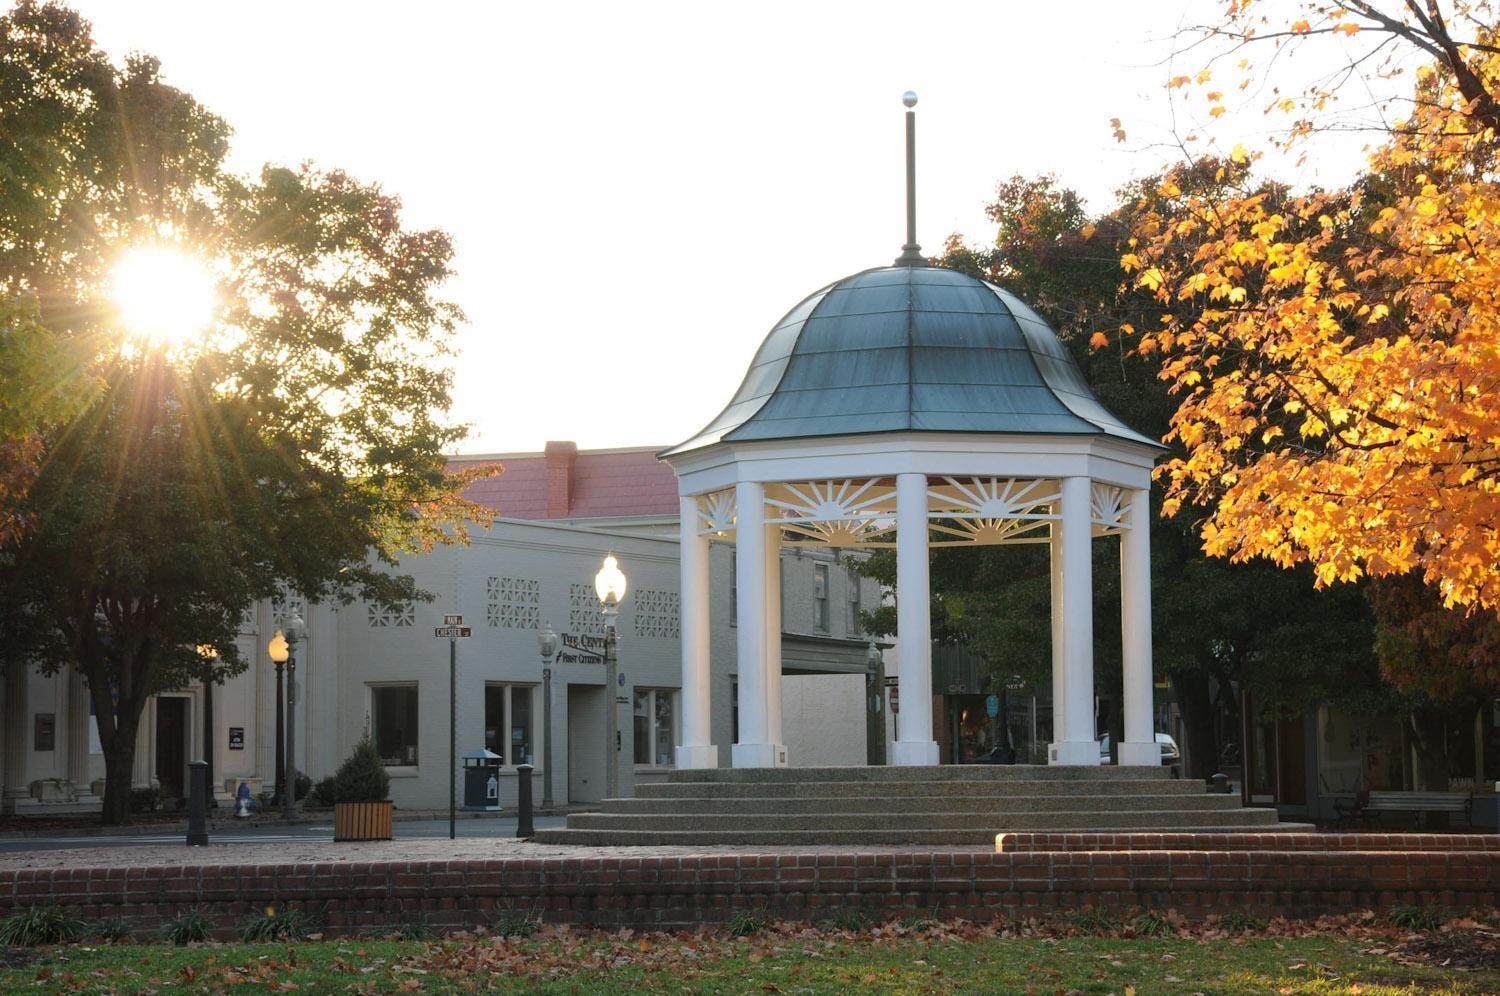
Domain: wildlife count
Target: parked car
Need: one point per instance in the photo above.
(1169, 752)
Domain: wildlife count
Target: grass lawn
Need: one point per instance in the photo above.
(783, 959)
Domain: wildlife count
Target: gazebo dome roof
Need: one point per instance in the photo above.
(911, 348)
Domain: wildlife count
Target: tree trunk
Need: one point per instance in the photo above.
(1202, 748)
(119, 774)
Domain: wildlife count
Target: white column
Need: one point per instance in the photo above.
(143, 771)
(773, 644)
(1135, 630)
(1059, 661)
(914, 744)
(754, 748)
(78, 734)
(695, 751)
(1077, 707)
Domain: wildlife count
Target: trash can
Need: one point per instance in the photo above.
(482, 781)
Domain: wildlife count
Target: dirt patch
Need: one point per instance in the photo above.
(18, 957)
(1457, 947)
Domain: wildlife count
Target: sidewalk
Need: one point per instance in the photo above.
(223, 820)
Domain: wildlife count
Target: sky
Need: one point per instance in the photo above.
(637, 192)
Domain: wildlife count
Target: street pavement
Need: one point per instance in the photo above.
(270, 833)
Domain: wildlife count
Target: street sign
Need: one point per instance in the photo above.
(450, 632)
(453, 620)
(896, 699)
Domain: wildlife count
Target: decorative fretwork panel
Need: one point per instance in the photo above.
(716, 514)
(247, 621)
(1109, 508)
(513, 603)
(848, 513)
(284, 604)
(657, 614)
(992, 510)
(393, 614)
(584, 614)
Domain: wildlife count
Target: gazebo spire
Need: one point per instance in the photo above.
(911, 253)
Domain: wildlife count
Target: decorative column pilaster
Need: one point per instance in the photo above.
(696, 750)
(1059, 657)
(914, 744)
(1139, 746)
(1079, 747)
(773, 644)
(16, 787)
(78, 735)
(754, 749)
(143, 771)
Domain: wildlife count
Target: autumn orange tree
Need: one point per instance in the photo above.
(1335, 353)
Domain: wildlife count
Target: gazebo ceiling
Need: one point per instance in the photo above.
(911, 348)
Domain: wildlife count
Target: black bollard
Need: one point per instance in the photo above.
(1220, 783)
(524, 829)
(197, 832)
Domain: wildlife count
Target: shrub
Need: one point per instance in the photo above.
(115, 930)
(144, 800)
(852, 921)
(362, 778)
(304, 786)
(419, 928)
(745, 924)
(285, 924)
(1092, 921)
(513, 923)
(1238, 921)
(190, 926)
(323, 793)
(1417, 917)
(1150, 924)
(40, 925)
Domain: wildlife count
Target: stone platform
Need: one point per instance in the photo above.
(945, 806)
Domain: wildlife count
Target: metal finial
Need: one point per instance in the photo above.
(911, 253)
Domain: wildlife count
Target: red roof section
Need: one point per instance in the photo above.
(566, 483)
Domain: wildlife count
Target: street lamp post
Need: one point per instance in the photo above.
(277, 650)
(609, 585)
(210, 656)
(547, 641)
(283, 649)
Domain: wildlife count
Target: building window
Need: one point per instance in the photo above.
(655, 726)
(392, 614)
(513, 603)
(854, 610)
(734, 589)
(507, 722)
(657, 614)
(820, 597)
(393, 722)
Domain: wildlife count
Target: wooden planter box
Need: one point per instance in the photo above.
(362, 820)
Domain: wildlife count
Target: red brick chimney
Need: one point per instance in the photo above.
(560, 457)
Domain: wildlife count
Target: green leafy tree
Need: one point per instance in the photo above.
(299, 441)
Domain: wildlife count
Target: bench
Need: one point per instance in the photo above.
(1367, 805)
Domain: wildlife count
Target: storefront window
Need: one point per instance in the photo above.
(507, 722)
(393, 723)
(654, 716)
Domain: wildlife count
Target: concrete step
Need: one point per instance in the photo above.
(739, 824)
(776, 839)
(880, 804)
(948, 788)
(937, 773)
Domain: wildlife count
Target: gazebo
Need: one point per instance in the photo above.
(913, 407)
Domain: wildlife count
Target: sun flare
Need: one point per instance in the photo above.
(163, 295)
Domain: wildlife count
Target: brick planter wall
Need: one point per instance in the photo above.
(682, 891)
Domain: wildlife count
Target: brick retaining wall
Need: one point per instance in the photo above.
(1245, 841)
(682, 891)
